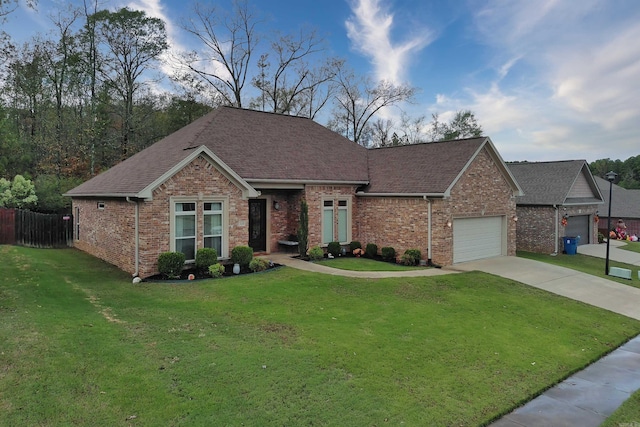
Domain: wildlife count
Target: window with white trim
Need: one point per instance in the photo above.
(336, 221)
(343, 221)
(185, 229)
(327, 221)
(213, 220)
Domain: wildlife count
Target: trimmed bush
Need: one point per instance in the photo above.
(206, 257)
(258, 264)
(415, 254)
(303, 229)
(316, 253)
(354, 245)
(407, 259)
(334, 248)
(371, 250)
(388, 253)
(242, 255)
(216, 270)
(170, 264)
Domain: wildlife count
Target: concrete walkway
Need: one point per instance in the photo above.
(615, 253)
(288, 260)
(587, 398)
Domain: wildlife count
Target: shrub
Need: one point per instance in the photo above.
(415, 253)
(206, 257)
(316, 253)
(334, 248)
(354, 245)
(170, 264)
(303, 229)
(216, 270)
(600, 237)
(388, 253)
(258, 264)
(242, 255)
(407, 259)
(371, 250)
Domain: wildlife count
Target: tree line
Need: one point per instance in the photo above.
(95, 90)
(628, 170)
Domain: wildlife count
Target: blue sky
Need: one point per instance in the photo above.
(547, 79)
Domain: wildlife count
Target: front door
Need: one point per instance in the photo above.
(258, 225)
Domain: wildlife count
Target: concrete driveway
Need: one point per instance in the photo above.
(583, 287)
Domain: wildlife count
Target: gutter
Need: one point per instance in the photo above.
(429, 260)
(423, 195)
(137, 236)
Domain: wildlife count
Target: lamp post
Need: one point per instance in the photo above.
(611, 176)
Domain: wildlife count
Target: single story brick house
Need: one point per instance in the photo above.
(626, 206)
(237, 177)
(560, 199)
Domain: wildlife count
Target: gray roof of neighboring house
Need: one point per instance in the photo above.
(256, 148)
(550, 183)
(626, 203)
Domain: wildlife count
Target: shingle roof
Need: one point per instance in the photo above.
(626, 203)
(264, 147)
(256, 145)
(428, 168)
(549, 183)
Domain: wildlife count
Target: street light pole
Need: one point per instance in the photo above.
(611, 176)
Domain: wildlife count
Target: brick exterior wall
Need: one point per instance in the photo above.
(315, 195)
(402, 222)
(633, 225)
(536, 229)
(110, 234)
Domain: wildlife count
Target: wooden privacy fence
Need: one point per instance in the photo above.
(26, 228)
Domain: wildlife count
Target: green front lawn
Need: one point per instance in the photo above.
(81, 345)
(631, 246)
(626, 415)
(363, 264)
(587, 264)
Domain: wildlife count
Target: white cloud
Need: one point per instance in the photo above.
(369, 29)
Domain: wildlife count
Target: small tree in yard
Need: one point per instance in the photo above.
(303, 229)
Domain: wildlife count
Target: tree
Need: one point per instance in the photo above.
(291, 86)
(359, 99)
(303, 229)
(230, 43)
(462, 125)
(19, 193)
(133, 43)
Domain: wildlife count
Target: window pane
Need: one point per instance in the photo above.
(185, 226)
(215, 243)
(327, 226)
(213, 225)
(217, 206)
(342, 225)
(185, 207)
(342, 203)
(187, 247)
(328, 203)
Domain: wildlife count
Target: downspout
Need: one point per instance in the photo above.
(429, 260)
(137, 237)
(555, 252)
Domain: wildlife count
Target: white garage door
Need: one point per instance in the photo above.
(477, 238)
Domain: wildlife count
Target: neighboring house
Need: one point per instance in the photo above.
(237, 177)
(626, 206)
(554, 191)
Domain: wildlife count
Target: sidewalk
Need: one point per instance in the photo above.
(288, 260)
(615, 253)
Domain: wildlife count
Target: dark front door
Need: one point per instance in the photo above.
(258, 225)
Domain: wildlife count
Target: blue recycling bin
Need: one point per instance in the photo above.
(570, 245)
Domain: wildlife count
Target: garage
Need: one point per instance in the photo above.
(578, 226)
(477, 238)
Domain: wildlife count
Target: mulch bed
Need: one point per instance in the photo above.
(201, 275)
